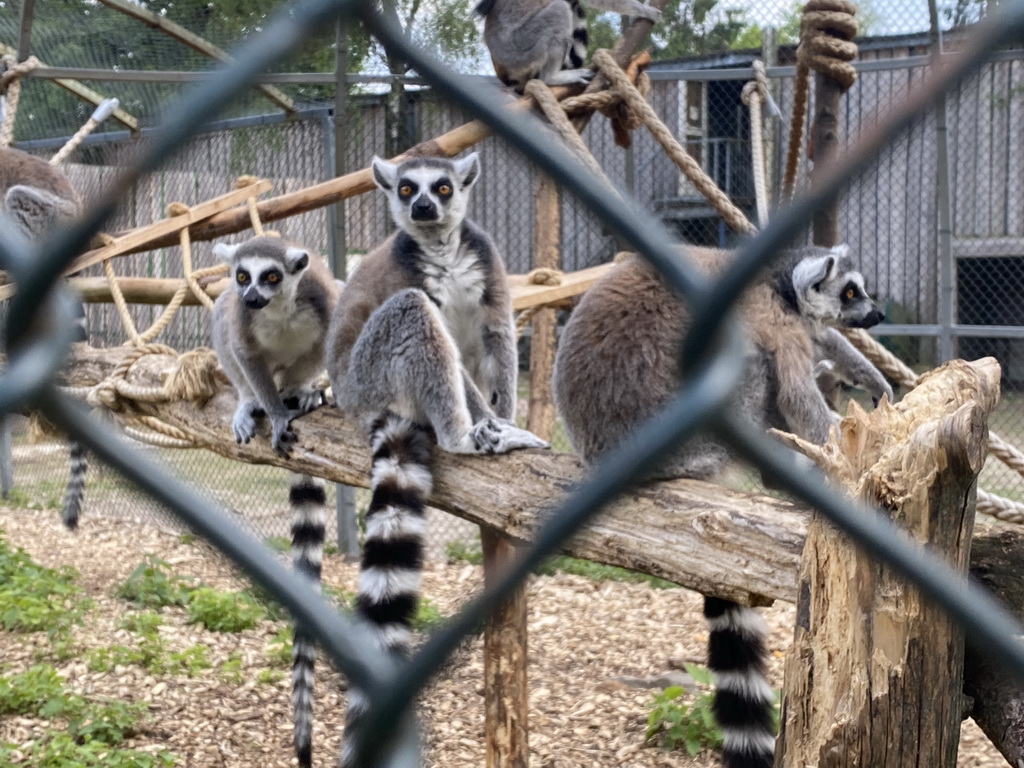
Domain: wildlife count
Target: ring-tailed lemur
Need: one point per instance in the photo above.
(422, 344)
(38, 198)
(618, 365)
(269, 333)
(545, 39)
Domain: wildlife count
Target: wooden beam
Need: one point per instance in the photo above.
(135, 239)
(159, 290)
(86, 94)
(195, 42)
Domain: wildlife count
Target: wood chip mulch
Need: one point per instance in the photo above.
(592, 644)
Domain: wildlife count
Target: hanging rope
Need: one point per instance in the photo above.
(10, 85)
(827, 29)
(754, 95)
(101, 113)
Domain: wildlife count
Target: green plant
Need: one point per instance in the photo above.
(231, 671)
(428, 616)
(34, 598)
(110, 722)
(463, 551)
(278, 543)
(39, 690)
(224, 611)
(62, 750)
(269, 676)
(153, 585)
(688, 721)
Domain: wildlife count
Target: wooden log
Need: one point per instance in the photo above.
(720, 542)
(875, 672)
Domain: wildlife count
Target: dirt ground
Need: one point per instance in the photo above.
(591, 644)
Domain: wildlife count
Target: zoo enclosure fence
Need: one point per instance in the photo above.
(34, 361)
(947, 292)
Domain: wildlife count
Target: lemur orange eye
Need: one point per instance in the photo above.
(851, 294)
(242, 277)
(405, 190)
(273, 277)
(444, 189)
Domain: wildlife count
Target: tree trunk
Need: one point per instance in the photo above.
(875, 672)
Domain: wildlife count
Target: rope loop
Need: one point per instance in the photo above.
(826, 45)
(545, 276)
(10, 85)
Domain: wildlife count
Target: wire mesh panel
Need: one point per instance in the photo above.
(887, 211)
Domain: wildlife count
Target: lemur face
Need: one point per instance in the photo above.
(264, 269)
(427, 194)
(831, 291)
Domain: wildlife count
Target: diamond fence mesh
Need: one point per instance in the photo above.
(892, 214)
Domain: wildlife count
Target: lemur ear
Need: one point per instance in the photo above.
(35, 210)
(468, 170)
(811, 271)
(296, 259)
(841, 251)
(385, 174)
(225, 252)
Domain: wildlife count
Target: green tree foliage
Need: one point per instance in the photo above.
(693, 28)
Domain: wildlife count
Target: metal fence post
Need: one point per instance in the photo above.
(335, 131)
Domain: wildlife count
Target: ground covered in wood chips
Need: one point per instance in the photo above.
(592, 645)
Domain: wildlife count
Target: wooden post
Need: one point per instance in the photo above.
(823, 146)
(875, 672)
(505, 640)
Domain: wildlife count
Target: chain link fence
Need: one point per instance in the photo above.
(945, 293)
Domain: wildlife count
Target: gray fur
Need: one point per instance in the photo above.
(544, 39)
(424, 329)
(618, 359)
(36, 198)
(270, 336)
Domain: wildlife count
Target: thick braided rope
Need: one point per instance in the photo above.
(10, 84)
(72, 144)
(538, 276)
(556, 115)
(122, 306)
(732, 215)
(895, 369)
(754, 95)
(827, 29)
(254, 214)
(155, 438)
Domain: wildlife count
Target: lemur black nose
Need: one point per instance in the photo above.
(423, 210)
(871, 319)
(254, 300)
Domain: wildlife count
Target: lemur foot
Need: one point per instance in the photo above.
(282, 437)
(571, 77)
(498, 436)
(244, 421)
(302, 401)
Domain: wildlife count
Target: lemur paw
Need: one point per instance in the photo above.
(244, 423)
(282, 437)
(302, 401)
(497, 436)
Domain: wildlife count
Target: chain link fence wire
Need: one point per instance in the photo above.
(891, 217)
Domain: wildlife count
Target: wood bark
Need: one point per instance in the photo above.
(506, 693)
(720, 542)
(875, 672)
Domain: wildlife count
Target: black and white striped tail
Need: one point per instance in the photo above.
(392, 562)
(308, 501)
(78, 462)
(577, 53)
(743, 697)
(78, 466)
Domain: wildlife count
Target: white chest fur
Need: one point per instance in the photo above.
(285, 333)
(456, 282)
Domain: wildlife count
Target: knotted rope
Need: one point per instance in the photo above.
(10, 85)
(754, 94)
(827, 29)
